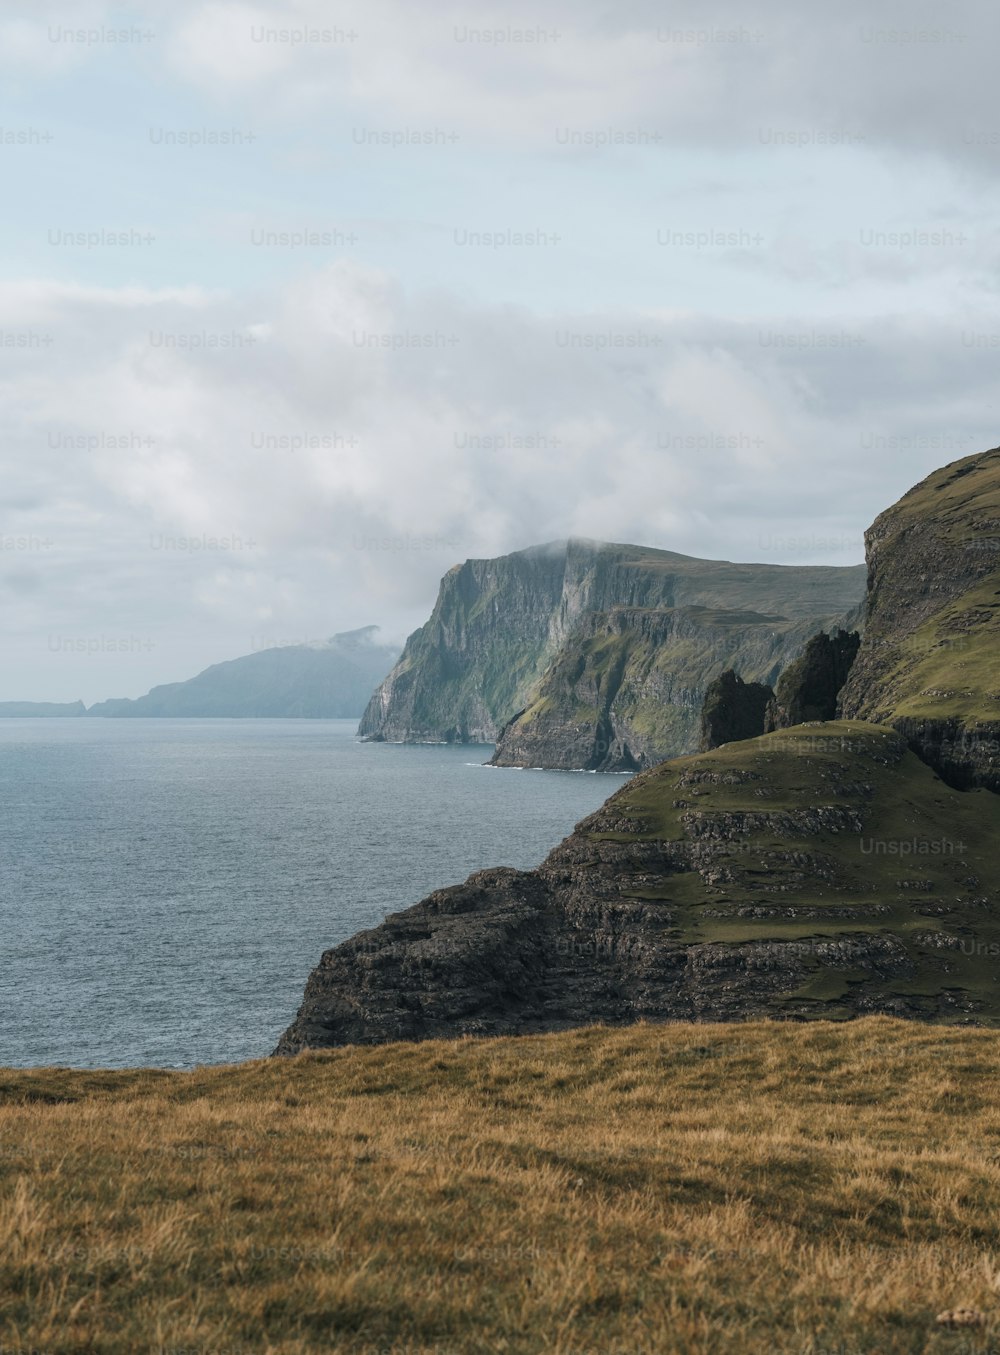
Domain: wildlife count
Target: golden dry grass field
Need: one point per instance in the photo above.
(824, 1189)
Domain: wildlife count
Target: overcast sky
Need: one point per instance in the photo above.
(303, 303)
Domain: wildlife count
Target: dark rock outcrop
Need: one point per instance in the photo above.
(733, 710)
(809, 687)
(766, 878)
(964, 755)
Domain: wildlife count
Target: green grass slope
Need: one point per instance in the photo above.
(820, 833)
(930, 658)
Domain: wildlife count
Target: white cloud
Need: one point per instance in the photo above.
(352, 476)
(508, 425)
(215, 46)
(735, 78)
(37, 36)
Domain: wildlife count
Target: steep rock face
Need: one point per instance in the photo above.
(493, 627)
(817, 872)
(500, 626)
(627, 688)
(928, 663)
(733, 710)
(966, 755)
(809, 687)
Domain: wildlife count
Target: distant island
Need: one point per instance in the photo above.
(331, 680)
(28, 710)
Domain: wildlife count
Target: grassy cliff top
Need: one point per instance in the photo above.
(822, 833)
(758, 1188)
(844, 764)
(960, 497)
(930, 649)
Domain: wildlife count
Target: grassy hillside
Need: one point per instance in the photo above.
(963, 498)
(947, 668)
(759, 1188)
(825, 832)
(933, 636)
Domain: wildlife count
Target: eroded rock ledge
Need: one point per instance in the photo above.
(766, 878)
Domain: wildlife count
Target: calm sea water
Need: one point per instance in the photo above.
(167, 885)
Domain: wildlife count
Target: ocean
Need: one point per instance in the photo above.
(166, 886)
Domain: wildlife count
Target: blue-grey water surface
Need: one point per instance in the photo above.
(167, 885)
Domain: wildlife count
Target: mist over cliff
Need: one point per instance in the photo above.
(590, 654)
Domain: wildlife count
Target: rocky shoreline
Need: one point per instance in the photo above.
(700, 891)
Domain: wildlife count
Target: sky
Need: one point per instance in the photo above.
(301, 304)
